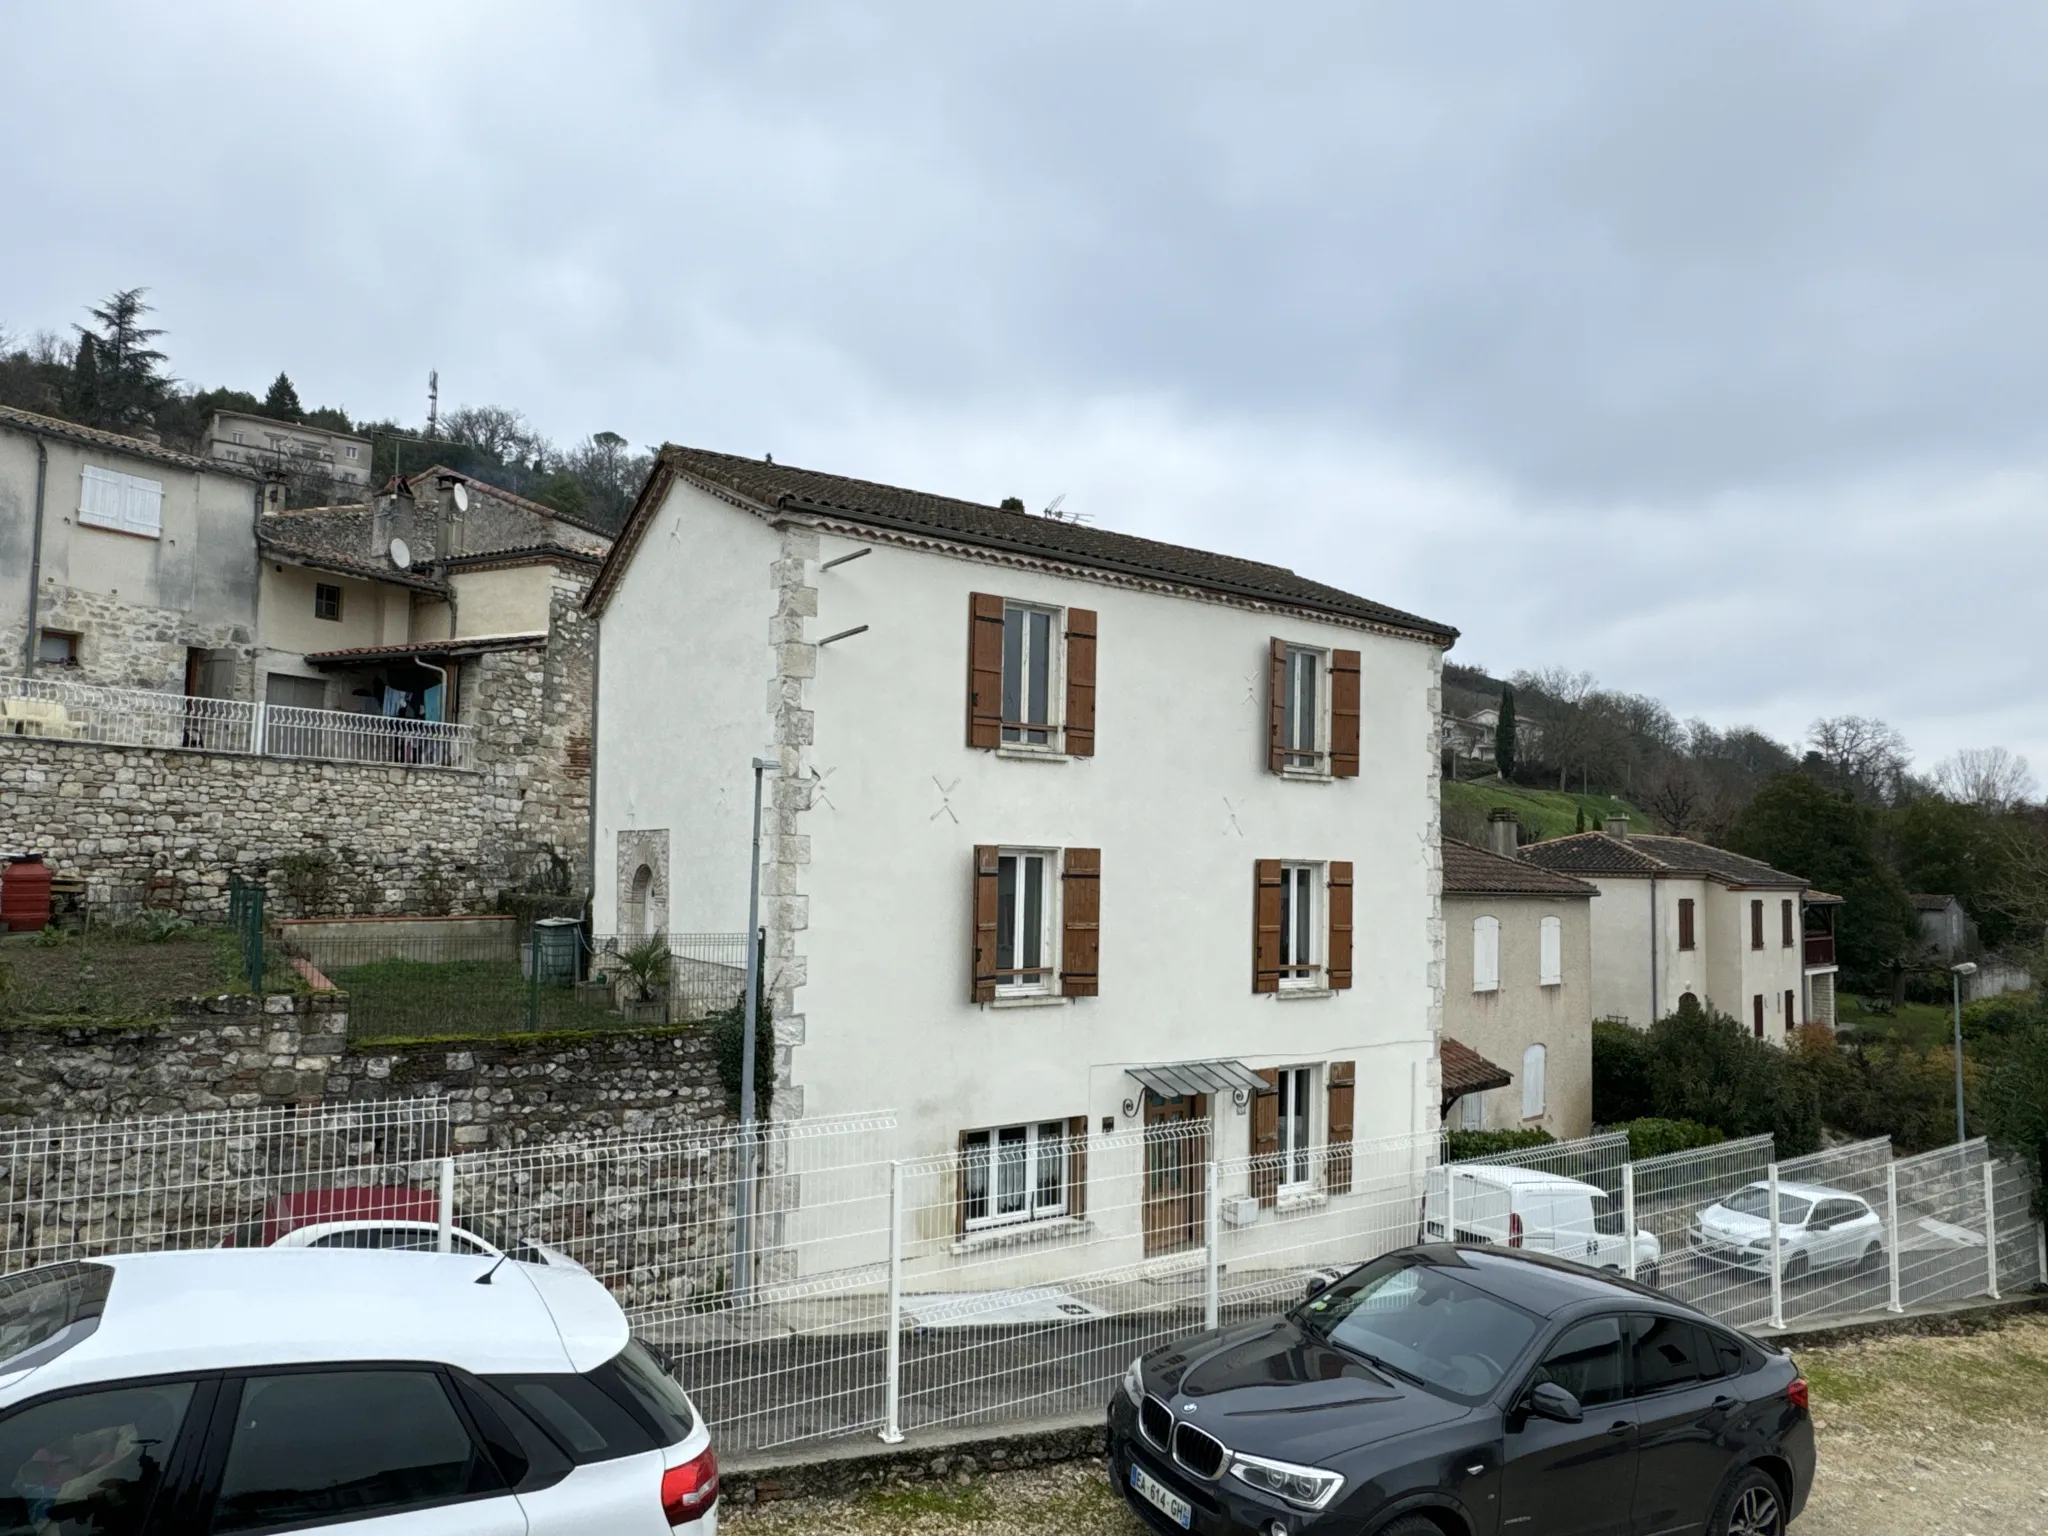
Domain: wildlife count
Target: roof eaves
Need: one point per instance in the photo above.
(114, 442)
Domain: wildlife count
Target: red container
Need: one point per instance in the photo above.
(25, 894)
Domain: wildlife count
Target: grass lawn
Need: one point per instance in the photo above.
(419, 999)
(1547, 812)
(1916, 1024)
(109, 977)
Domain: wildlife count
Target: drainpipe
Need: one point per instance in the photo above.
(1653, 949)
(35, 559)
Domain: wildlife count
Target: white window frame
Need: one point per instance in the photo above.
(1033, 1138)
(1044, 980)
(1014, 734)
(237, 437)
(351, 450)
(125, 503)
(1486, 953)
(1550, 952)
(1535, 1091)
(1313, 759)
(1297, 1165)
(1301, 969)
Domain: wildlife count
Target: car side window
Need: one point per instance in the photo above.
(1586, 1362)
(90, 1462)
(1836, 1212)
(316, 1447)
(1667, 1353)
(1733, 1358)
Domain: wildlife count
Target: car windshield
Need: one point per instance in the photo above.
(45, 1311)
(1423, 1322)
(1756, 1201)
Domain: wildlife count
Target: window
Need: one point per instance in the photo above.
(1586, 1362)
(1533, 1060)
(92, 1461)
(1757, 1009)
(1029, 656)
(1301, 725)
(55, 648)
(238, 437)
(326, 601)
(1687, 936)
(351, 450)
(1550, 962)
(1314, 704)
(1669, 1352)
(1294, 1086)
(1756, 925)
(1024, 921)
(1485, 954)
(1298, 963)
(312, 1447)
(1013, 1173)
(127, 503)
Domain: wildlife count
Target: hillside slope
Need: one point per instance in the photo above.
(1547, 813)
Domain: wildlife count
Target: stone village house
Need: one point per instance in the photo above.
(1071, 832)
(194, 680)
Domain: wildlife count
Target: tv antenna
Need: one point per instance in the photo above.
(1056, 510)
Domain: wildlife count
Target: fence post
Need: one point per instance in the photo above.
(444, 1221)
(1891, 1240)
(1777, 1258)
(252, 955)
(257, 729)
(892, 1389)
(532, 979)
(1628, 1215)
(1991, 1229)
(1212, 1211)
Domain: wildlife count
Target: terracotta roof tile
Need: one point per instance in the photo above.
(1470, 871)
(94, 437)
(1644, 854)
(1466, 1071)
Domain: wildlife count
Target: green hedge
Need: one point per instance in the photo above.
(1651, 1137)
(1460, 1145)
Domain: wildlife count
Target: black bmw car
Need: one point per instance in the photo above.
(1473, 1390)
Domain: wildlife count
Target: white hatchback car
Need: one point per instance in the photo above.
(1818, 1228)
(387, 1394)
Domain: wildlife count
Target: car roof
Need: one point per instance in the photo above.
(1496, 1173)
(1808, 1191)
(220, 1308)
(1536, 1281)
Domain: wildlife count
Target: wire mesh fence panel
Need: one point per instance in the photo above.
(797, 1351)
(247, 1176)
(2018, 1228)
(1941, 1238)
(1701, 1208)
(1562, 1198)
(1833, 1231)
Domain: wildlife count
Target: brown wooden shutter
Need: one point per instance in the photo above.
(1759, 1011)
(984, 671)
(1266, 926)
(1077, 1166)
(1266, 1138)
(1081, 922)
(1685, 933)
(1785, 920)
(1756, 925)
(1080, 729)
(1344, 711)
(1343, 1089)
(1791, 1011)
(1340, 923)
(987, 863)
(1276, 706)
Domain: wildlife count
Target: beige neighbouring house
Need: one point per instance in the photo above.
(1518, 971)
(266, 445)
(1683, 922)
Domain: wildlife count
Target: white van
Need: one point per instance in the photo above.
(1534, 1210)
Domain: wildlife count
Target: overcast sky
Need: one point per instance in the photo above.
(1701, 346)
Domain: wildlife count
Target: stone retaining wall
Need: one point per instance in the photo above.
(236, 1052)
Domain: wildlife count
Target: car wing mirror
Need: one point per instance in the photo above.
(1315, 1287)
(1547, 1400)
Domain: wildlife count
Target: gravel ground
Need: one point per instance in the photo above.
(1918, 1437)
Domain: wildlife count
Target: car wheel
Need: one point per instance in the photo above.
(1873, 1256)
(1795, 1268)
(1411, 1525)
(1751, 1505)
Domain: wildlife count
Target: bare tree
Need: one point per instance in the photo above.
(1675, 792)
(1990, 778)
(1866, 757)
(503, 433)
(1567, 727)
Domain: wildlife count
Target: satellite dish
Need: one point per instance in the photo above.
(401, 554)
(460, 493)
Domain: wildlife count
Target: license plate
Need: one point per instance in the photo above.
(1161, 1498)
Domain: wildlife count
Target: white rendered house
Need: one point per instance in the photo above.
(1073, 833)
(1679, 920)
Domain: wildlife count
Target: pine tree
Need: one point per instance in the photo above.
(282, 403)
(1504, 734)
(129, 381)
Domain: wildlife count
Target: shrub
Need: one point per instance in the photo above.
(1651, 1137)
(2010, 1013)
(1461, 1145)
(728, 1048)
(1706, 1067)
(1621, 1072)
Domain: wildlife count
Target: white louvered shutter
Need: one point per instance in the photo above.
(128, 503)
(1551, 951)
(1485, 954)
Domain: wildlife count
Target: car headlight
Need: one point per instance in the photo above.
(1134, 1381)
(1304, 1487)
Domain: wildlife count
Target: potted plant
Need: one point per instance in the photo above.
(644, 970)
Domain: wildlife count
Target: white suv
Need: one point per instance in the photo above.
(1818, 1228)
(387, 1394)
(1541, 1212)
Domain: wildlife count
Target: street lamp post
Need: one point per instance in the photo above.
(1956, 975)
(743, 1257)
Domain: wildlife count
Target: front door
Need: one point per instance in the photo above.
(1176, 1166)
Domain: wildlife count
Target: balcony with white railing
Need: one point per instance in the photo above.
(54, 709)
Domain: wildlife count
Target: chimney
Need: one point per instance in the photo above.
(1617, 827)
(451, 512)
(275, 489)
(1503, 833)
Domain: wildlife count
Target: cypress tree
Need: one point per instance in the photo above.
(1504, 734)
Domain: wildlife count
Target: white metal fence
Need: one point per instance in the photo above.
(60, 710)
(891, 1295)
